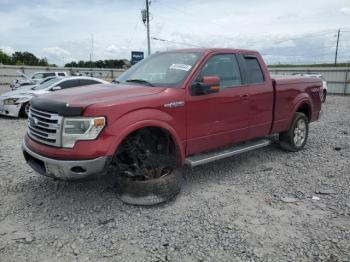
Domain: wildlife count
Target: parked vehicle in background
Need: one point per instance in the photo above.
(179, 107)
(324, 83)
(34, 78)
(31, 86)
(16, 103)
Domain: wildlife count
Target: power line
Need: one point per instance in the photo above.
(175, 42)
(189, 15)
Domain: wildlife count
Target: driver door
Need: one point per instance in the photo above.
(215, 120)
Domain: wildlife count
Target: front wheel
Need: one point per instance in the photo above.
(145, 169)
(25, 109)
(295, 138)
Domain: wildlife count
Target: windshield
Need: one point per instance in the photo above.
(165, 69)
(47, 84)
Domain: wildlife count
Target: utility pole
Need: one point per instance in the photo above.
(92, 50)
(336, 49)
(147, 21)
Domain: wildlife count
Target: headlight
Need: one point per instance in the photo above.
(10, 101)
(81, 128)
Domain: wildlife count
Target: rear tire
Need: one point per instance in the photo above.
(295, 138)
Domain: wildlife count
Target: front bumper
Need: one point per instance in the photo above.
(66, 169)
(10, 110)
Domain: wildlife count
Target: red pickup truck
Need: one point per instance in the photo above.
(173, 108)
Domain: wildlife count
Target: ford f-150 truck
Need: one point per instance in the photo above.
(173, 108)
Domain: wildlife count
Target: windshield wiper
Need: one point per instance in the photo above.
(139, 81)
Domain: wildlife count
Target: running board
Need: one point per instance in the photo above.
(197, 160)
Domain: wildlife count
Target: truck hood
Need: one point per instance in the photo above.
(103, 94)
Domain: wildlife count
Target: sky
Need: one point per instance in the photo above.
(284, 31)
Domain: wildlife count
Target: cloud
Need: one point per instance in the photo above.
(7, 49)
(112, 48)
(62, 30)
(56, 54)
(345, 10)
(55, 50)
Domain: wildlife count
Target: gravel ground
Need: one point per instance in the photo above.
(258, 206)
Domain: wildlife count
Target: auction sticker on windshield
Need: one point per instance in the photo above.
(180, 67)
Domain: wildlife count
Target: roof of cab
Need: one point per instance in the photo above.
(212, 50)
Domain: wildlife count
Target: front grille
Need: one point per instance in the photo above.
(45, 127)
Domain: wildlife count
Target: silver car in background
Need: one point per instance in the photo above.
(29, 86)
(34, 79)
(17, 103)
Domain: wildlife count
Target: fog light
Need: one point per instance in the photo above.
(78, 169)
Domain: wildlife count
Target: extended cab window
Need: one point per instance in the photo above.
(61, 74)
(255, 74)
(225, 67)
(38, 76)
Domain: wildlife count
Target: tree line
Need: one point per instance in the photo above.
(111, 63)
(29, 59)
(22, 58)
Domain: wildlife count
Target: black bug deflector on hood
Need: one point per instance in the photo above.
(79, 98)
(54, 106)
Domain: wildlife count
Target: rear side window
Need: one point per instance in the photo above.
(38, 76)
(61, 74)
(255, 74)
(86, 82)
(69, 84)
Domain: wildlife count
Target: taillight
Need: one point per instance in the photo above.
(321, 92)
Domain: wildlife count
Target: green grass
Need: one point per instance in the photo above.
(311, 65)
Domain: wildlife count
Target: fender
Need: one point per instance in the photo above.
(299, 100)
(24, 100)
(134, 120)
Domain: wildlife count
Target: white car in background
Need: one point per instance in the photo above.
(17, 103)
(23, 87)
(34, 78)
(323, 81)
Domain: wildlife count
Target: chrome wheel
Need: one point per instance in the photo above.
(300, 133)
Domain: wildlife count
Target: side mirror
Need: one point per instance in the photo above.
(208, 85)
(55, 88)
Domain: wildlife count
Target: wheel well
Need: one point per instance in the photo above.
(166, 141)
(22, 110)
(305, 109)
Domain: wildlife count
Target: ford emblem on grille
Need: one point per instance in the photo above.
(34, 121)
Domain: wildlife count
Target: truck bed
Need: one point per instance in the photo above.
(289, 92)
(289, 79)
